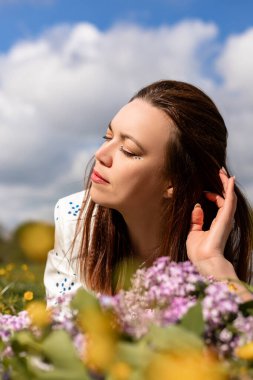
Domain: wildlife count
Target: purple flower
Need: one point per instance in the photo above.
(176, 310)
(163, 293)
(220, 304)
(12, 323)
(160, 294)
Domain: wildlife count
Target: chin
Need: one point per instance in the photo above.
(98, 199)
(104, 200)
(104, 203)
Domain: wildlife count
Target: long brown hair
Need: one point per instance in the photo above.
(194, 157)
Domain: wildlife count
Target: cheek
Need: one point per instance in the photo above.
(140, 180)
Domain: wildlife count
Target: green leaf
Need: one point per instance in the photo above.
(57, 374)
(193, 320)
(56, 358)
(247, 286)
(59, 349)
(136, 354)
(19, 370)
(172, 338)
(246, 308)
(84, 301)
(25, 341)
(135, 375)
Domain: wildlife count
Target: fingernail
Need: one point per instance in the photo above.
(224, 170)
(197, 205)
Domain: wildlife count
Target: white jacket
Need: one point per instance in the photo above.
(61, 274)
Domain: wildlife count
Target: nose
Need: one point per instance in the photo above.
(104, 155)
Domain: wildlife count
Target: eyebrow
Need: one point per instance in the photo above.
(126, 136)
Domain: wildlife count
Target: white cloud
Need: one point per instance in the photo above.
(235, 68)
(58, 92)
(236, 62)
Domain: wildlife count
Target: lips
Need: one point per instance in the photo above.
(96, 177)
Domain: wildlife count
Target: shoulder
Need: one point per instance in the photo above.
(66, 216)
(68, 207)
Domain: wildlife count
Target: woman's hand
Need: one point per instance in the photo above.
(205, 248)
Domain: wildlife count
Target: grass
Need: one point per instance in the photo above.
(20, 283)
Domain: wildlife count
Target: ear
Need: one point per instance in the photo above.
(168, 192)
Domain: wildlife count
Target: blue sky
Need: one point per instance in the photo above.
(25, 18)
(67, 66)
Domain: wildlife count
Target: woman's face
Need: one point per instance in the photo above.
(131, 159)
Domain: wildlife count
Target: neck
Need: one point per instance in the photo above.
(144, 229)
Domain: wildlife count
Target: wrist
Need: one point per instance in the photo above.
(217, 267)
(222, 270)
(235, 286)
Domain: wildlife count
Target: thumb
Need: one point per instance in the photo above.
(197, 218)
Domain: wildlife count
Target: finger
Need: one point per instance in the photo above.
(225, 215)
(197, 218)
(224, 179)
(216, 198)
(229, 199)
(230, 202)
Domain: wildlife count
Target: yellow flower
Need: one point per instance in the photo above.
(28, 296)
(36, 239)
(2, 271)
(101, 339)
(10, 267)
(232, 287)
(24, 267)
(245, 352)
(190, 365)
(94, 321)
(99, 353)
(120, 371)
(30, 276)
(38, 313)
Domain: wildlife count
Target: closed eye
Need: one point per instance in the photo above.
(129, 154)
(125, 152)
(107, 138)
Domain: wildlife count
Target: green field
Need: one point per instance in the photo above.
(16, 280)
(22, 261)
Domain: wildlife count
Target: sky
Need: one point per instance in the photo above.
(66, 67)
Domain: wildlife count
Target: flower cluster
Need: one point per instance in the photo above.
(160, 294)
(171, 314)
(64, 318)
(11, 323)
(35, 317)
(163, 293)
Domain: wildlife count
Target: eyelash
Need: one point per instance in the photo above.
(125, 152)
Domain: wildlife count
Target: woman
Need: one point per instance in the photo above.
(159, 185)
